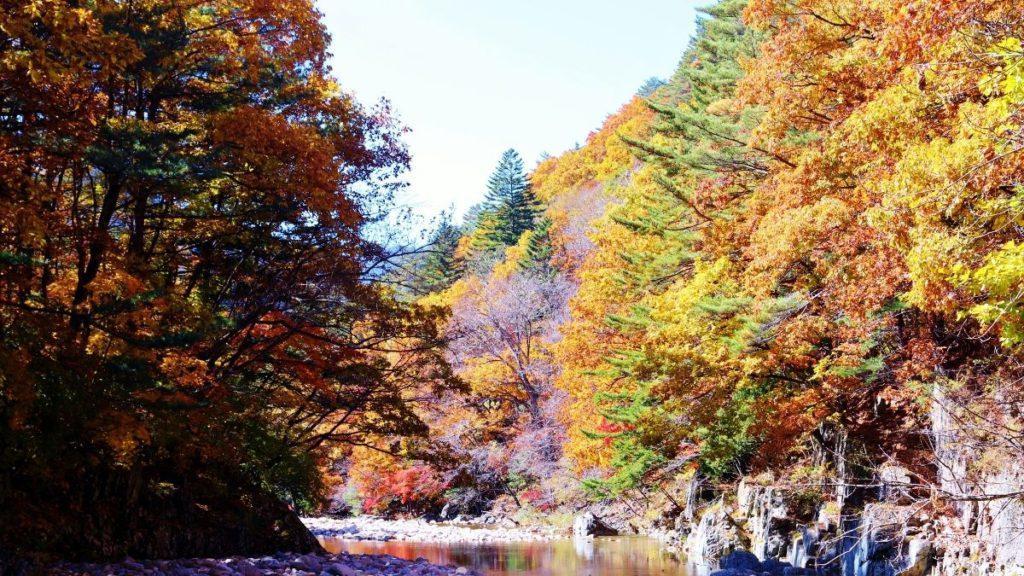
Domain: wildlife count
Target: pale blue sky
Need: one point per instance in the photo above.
(472, 78)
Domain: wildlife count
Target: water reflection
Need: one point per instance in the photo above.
(618, 556)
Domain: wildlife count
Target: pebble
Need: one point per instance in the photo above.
(343, 564)
(377, 529)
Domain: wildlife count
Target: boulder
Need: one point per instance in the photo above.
(247, 568)
(893, 484)
(775, 567)
(449, 511)
(712, 537)
(339, 569)
(740, 560)
(587, 524)
(919, 558)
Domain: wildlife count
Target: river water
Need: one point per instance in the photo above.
(611, 556)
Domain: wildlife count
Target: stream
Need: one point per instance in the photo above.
(607, 556)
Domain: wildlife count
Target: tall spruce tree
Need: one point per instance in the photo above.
(510, 203)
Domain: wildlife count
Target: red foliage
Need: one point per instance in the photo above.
(414, 488)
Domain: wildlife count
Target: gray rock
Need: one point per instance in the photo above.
(280, 565)
(449, 511)
(740, 560)
(246, 568)
(712, 537)
(587, 524)
(894, 482)
(339, 570)
(919, 558)
(775, 567)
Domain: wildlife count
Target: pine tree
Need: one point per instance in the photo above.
(650, 86)
(441, 266)
(697, 138)
(538, 247)
(694, 139)
(509, 202)
(489, 234)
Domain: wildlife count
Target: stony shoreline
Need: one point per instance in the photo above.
(343, 564)
(377, 529)
(361, 528)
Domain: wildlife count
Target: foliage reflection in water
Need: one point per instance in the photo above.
(619, 556)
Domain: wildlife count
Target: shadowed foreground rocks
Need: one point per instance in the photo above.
(280, 564)
(743, 563)
(110, 515)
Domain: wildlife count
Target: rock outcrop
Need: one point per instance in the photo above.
(884, 526)
(587, 525)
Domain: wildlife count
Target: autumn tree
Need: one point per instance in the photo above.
(186, 292)
(498, 331)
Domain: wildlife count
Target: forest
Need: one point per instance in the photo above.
(791, 273)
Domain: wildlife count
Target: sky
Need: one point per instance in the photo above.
(472, 78)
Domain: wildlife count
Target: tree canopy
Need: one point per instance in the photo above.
(186, 302)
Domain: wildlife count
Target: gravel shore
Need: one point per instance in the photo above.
(368, 528)
(278, 565)
(344, 564)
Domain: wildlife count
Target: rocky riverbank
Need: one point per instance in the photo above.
(377, 529)
(824, 516)
(280, 564)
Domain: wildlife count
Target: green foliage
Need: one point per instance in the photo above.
(632, 459)
(441, 266)
(691, 140)
(726, 443)
(510, 208)
(758, 325)
(650, 86)
(538, 247)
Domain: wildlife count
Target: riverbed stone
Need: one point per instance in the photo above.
(280, 565)
(340, 570)
(740, 560)
(587, 524)
(418, 530)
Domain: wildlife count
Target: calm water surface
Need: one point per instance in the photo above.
(612, 556)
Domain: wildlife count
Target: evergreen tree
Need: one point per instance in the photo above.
(697, 139)
(489, 234)
(693, 139)
(650, 86)
(441, 267)
(510, 206)
(471, 219)
(538, 248)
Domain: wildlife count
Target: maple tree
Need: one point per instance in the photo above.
(186, 295)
